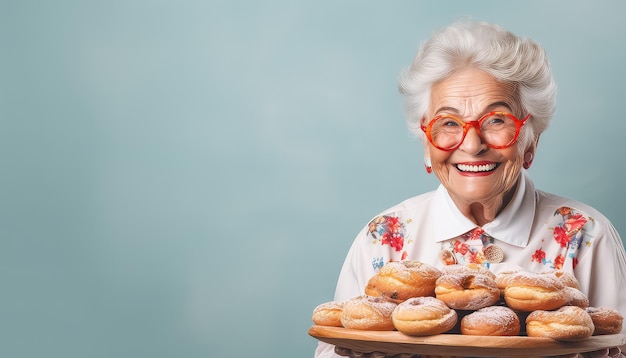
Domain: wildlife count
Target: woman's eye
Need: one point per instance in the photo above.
(450, 123)
(495, 120)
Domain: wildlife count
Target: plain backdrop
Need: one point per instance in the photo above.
(184, 178)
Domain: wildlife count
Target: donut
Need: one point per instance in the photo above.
(567, 278)
(468, 268)
(328, 314)
(423, 316)
(576, 297)
(605, 320)
(368, 313)
(465, 291)
(491, 321)
(568, 323)
(529, 292)
(401, 280)
(502, 279)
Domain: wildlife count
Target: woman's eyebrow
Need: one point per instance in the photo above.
(489, 107)
(500, 104)
(447, 109)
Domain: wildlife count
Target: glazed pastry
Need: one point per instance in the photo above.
(368, 313)
(491, 321)
(576, 297)
(328, 314)
(568, 323)
(605, 320)
(401, 280)
(529, 292)
(466, 291)
(422, 316)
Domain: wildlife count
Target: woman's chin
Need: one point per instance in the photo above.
(477, 188)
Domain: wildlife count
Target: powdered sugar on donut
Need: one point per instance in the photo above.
(536, 280)
(467, 291)
(491, 321)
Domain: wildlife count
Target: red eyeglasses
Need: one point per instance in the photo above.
(497, 129)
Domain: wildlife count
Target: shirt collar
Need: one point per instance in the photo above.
(512, 225)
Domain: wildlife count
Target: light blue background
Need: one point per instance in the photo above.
(184, 178)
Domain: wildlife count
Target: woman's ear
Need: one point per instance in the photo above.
(427, 163)
(528, 159)
(529, 154)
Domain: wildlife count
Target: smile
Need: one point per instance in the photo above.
(476, 168)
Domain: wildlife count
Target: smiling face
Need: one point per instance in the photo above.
(475, 173)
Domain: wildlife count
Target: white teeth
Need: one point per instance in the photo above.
(476, 168)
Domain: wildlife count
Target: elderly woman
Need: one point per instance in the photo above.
(480, 97)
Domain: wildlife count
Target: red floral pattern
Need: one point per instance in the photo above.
(393, 239)
(568, 232)
(461, 247)
(468, 248)
(560, 235)
(476, 234)
(559, 261)
(389, 230)
(539, 256)
(574, 223)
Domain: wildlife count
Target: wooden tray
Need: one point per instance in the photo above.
(394, 342)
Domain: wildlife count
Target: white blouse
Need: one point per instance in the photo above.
(536, 232)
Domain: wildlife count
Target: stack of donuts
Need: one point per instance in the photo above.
(419, 300)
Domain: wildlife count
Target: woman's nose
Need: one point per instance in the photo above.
(472, 143)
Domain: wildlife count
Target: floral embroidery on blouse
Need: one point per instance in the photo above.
(468, 248)
(388, 230)
(568, 233)
(378, 262)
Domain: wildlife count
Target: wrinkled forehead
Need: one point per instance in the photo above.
(471, 93)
